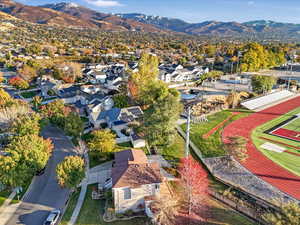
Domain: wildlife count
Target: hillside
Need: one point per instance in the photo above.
(73, 16)
(101, 20)
(41, 15)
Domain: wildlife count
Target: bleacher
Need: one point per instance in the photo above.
(267, 99)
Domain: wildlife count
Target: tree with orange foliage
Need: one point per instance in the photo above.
(4, 98)
(18, 83)
(1, 77)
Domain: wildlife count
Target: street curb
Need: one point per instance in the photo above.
(29, 188)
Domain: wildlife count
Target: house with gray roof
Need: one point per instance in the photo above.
(115, 118)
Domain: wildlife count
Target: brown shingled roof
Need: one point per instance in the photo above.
(130, 156)
(131, 169)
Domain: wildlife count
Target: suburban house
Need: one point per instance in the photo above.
(110, 75)
(115, 118)
(46, 84)
(176, 73)
(98, 77)
(134, 180)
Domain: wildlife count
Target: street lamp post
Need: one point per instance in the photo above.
(188, 127)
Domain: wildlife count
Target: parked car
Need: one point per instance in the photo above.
(52, 217)
(40, 172)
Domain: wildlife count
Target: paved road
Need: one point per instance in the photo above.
(45, 193)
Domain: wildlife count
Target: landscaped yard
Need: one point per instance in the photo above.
(213, 146)
(285, 159)
(92, 211)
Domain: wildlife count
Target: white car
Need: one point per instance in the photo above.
(52, 217)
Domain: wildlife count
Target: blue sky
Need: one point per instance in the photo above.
(197, 10)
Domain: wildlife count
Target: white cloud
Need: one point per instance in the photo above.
(104, 3)
(251, 3)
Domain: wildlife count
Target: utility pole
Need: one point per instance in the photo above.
(188, 127)
(291, 73)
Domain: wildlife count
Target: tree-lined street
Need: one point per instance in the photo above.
(45, 194)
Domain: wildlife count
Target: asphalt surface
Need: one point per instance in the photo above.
(45, 194)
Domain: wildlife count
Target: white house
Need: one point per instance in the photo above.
(99, 76)
(176, 73)
(134, 179)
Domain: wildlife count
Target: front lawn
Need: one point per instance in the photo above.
(284, 159)
(212, 146)
(92, 211)
(4, 195)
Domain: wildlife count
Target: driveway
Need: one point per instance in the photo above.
(45, 194)
(100, 173)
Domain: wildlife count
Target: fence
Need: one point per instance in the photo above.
(250, 212)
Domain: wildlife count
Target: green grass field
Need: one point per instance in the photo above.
(286, 160)
(213, 145)
(293, 125)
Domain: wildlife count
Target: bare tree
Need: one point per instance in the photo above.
(166, 208)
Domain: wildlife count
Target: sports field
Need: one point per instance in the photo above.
(283, 136)
(293, 125)
(289, 129)
(282, 170)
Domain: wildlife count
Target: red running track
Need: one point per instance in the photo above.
(257, 163)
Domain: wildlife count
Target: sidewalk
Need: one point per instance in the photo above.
(6, 210)
(83, 190)
(93, 175)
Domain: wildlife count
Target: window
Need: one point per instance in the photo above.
(127, 194)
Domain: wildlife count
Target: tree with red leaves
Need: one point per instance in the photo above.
(18, 82)
(194, 183)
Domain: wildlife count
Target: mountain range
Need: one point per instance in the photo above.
(214, 27)
(76, 16)
(72, 15)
